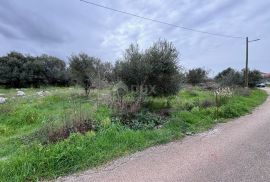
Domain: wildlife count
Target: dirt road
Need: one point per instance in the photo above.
(234, 151)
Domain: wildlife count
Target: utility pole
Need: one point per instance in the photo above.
(246, 73)
(246, 70)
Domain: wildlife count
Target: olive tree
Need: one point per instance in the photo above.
(83, 70)
(229, 77)
(196, 76)
(156, 69)
(165, 71)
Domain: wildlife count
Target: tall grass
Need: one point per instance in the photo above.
(35, 161)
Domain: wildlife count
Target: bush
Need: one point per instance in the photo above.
(155, 104)
(52, 133)
(207, 103)
(188, 106)
(230, 111)
(141, 120)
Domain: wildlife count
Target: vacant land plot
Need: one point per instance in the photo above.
(52, 132)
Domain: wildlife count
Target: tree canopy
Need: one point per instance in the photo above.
(156, 69)
(18, 70)
(196, 76)
(229, 77)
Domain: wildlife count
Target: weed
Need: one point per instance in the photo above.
(140, 121)
(90, 136)
(207, 103)
(242, 91)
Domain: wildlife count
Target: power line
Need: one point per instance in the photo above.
(162, 22)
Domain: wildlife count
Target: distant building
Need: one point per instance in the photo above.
(266, 76)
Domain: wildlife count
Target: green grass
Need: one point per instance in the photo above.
(32, 161)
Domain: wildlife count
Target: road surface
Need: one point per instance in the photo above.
(234, 151)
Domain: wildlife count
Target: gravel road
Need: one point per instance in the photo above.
(234, 151)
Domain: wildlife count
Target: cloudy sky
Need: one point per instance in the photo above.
(65, 27)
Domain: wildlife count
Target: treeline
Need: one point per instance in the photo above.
(18, 70)
(228, 77)
(157, 68)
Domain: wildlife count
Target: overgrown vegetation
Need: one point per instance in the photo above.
(133, 104)
(44, 146)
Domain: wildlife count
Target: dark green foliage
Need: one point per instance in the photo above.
(156, 70)
(18, 70)
(157, 104)
(254, 77)
(84, 70)
(207, 103)
(230, 77)
(89, 71)
(165, 72)
(188, 106)
(196, 76)
(133, 69)
(140, 121)
(231, 111)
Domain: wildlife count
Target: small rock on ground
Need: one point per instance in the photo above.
(2, 100)
(20, 93)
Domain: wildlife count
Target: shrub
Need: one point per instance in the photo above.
(156, 104)
(230, 111)
(188, 106)
(141, 120)
(129, 103)
(207, 103)
(52, 133)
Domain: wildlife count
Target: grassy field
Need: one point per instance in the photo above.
(26, 156)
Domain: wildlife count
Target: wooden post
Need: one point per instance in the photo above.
(246, 72)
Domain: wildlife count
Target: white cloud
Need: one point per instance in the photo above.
(102, 33)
